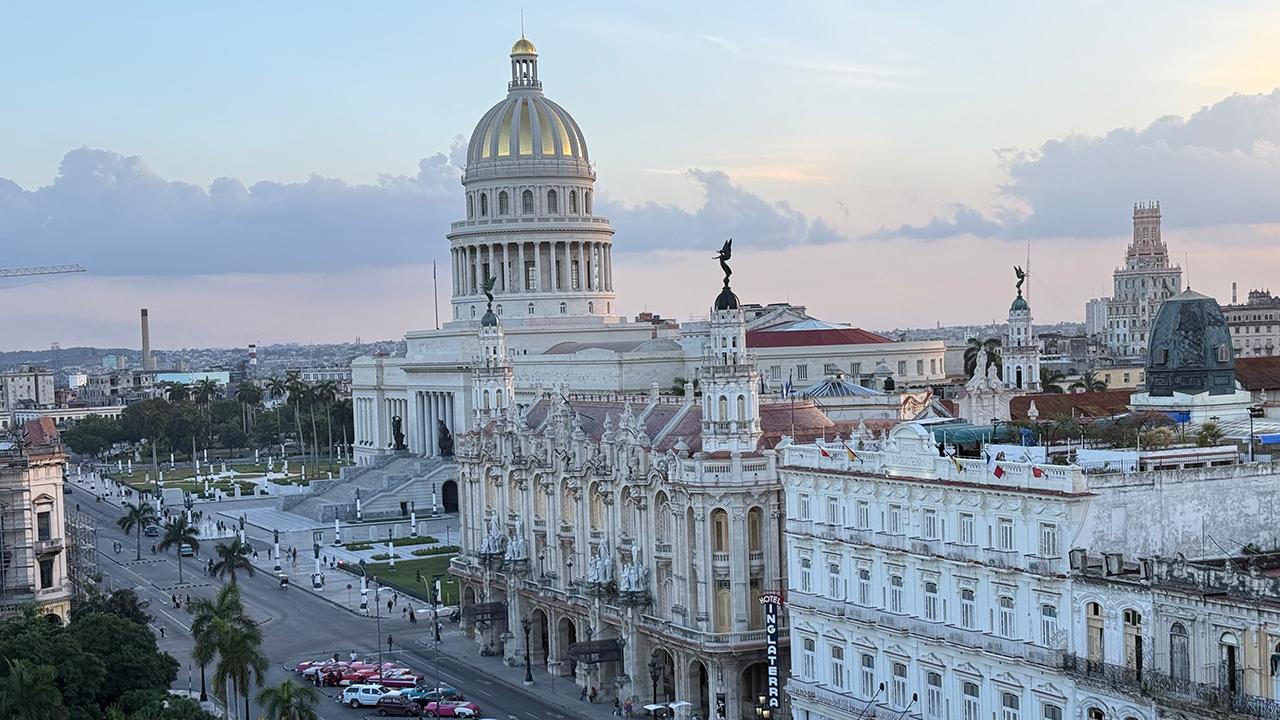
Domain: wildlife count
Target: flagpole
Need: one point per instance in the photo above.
(435, 293)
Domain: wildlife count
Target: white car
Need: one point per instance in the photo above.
(366, 695)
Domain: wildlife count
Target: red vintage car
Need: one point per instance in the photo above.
(451, 708)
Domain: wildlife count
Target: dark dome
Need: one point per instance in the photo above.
(1189, 350)
(726, 300)
(489, 319)
(1019, 303)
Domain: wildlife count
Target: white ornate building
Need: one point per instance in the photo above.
(1021, 351)
(32, 535)
(949, 580)
(1144, 282)
(633, 530)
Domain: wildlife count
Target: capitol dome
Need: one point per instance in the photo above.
(526, 125)
(1189, 350)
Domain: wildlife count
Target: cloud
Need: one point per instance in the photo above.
(728, 210)
(1220, 166)
(116, 216)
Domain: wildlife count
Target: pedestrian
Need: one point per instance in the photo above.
(389, 646)
(582, 696)
(161, 632)
(153, 549)
(353, 656)
(617, 708)
(413, 619)
(188, 600)
(173, 600)
(404, 613)
(593, 693)
(390, 604)
(335, 656)
(629, 707)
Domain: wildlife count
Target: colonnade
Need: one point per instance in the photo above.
(543, 266)
(420, 418)
(429, 409)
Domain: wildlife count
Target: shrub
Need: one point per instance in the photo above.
(442, 550)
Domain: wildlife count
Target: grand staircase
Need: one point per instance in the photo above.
(386, 490)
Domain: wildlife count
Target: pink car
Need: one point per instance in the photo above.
(451, 708)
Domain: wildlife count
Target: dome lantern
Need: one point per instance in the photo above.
(524, 66)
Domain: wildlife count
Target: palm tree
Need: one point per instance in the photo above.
(249, 396)
(288, 701)
(233, 556)
(1050, 380)
(178, 532)
(312, 398)
(177, 393)
(1210, 434)
(988, 350)
(221, 627)
(1089, 382)
(28, 692)
(138, 517)
(327, 392)
(297, 392)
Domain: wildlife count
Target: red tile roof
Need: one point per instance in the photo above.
(1261, 373)
(1052, 406)
(807, 338)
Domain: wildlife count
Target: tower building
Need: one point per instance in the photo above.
(1021, 353)
(1146, 280)
(493, 387)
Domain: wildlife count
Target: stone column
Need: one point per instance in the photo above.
(537, 267)
(567, 280)
(706, 578)
(429, 411)
(582, 268)
(450, 412)
(520, 285)
(514, 649)
(739, 569)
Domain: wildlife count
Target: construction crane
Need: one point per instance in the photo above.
(45, 270)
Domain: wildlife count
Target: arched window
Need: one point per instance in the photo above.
(553, 202)
(573, 202)
(470, 207)
(864, 586)
(835, 582)
(1008, 621)
(486, 399)
(1096, 714)
(719, 531)
(724, 409)
(498, 308)
(931, 601)
(895, 594)
(502, 203)
(1230, 670)
(591, 307)
(473, 311)
(1048, 625)
(530, 308)
(1009, 706)
(898, 692)
(972, 701)
(755, 525)
(586, 202)
(1179, 652)
(1094, 629)
(742, 408)
(526, 202)
(564, 309)
(484, 205)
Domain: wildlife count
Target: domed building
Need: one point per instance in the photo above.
(1190, 362)
(530, 221)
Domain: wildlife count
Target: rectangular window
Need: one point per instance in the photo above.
(867, 684)
(920, 367)
(1048, 540)
(966, 528)
(1008, 620)
(830, 369)
(1051, 712)
(931, 601)
(898, 691)
(806, 658)
(864, 515)
(893, 523)
(968, 610)
(929, 523)
(803, 506)
(1048, 625)
(835, 582)
(1009, 706)
(529, 269)
(972, 703)
(933, 696)
(864, 587)
(902, 368)
(855, 369)
(575, 275)
(806, 575)
(833, 511)
(837, 667)
(895, 594)
(933, 366)
(44, 526)
(1006, 533)
(802, 372)
(775, 372)
(46, 574)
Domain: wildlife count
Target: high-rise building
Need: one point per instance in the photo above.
(1095, 317)
(1144, 282)
(1255, 324)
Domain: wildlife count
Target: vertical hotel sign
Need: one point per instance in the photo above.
(772, 603)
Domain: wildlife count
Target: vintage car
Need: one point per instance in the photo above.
(451, 708)
(424, 694)
(396, 704)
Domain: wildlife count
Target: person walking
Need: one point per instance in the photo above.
(389, 644)
(617, 708)
(582, 697)
(593, 693)
(161, 632)
(413, 619)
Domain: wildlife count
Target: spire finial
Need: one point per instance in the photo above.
(521, 22)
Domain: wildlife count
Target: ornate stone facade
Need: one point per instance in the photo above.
(1145, 281)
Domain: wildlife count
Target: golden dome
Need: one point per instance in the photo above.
(523, 47)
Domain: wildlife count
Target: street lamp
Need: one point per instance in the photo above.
(762, 711)
(568, 562)
(655, 672)
(527, 624)
(542, 570)
(435, 605)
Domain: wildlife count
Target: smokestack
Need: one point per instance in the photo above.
(253, 353)
(148, 362)
(1233, 293)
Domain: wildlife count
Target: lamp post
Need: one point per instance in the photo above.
(542, 570)
(435, 606)
(364, 588)
(377, 612)
(907, 709)
(527, 625)
(763, 712)
(871, 702)
(655, 672)
(568, 562)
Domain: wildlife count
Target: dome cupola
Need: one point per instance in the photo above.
(1189, 349)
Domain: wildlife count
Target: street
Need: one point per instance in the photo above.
(296, 624)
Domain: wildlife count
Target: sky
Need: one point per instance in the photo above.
(276, 172)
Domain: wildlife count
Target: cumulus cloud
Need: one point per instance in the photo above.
(1220, 166)
(728, 210)
(115, 215)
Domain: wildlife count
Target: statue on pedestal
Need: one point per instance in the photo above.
(397, 433)
(445, 438)
(492, 543)
(517, 548)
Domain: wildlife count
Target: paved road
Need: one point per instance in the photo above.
(296, 625)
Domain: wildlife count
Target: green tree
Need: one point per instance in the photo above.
(326, 393)
(28, 692)
(266, 429)
(213, 623)
(988, 351)
(230, 436)
(177, 392)
(121, 603)
(178, 532)
(1051, 380)
(289, 701)
(250, 397)
(138, 517)
(1089, 382)
(128, 651)
(1210, 434)
(231, 557)
(148, 420)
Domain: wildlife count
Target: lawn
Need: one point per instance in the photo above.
(405, 577)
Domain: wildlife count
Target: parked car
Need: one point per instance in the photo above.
(426, 694)
(366, 695)
(186, 550)
(152, 531)
(451, 708)
(396, 704)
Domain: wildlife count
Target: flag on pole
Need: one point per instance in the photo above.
(786, 388)
(1036, 471)
(991, 463)
(824, 452)
(852, 455)
(998, 472)
(956, 461)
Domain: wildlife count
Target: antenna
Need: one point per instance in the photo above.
(521, 22)
(1028, 273)
(1186, 265)
(435, 293)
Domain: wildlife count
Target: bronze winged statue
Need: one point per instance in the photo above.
(488, 288)
(1022, 277)
(723, 256)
